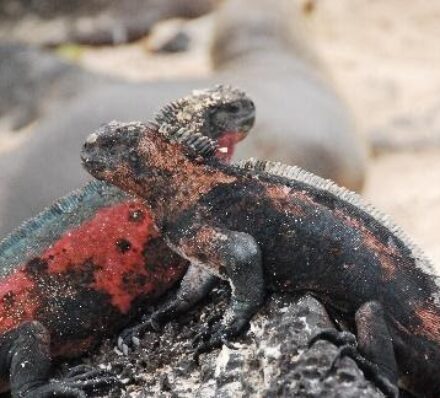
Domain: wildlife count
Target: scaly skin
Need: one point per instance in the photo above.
(83, 268)
(268, 226)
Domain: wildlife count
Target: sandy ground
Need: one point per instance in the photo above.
(385, 57)
(385, 60)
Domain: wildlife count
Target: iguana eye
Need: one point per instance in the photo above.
(233, 108)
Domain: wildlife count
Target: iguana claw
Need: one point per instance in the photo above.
(337, 338)
(78, 380)
(370, 369)
(129, 339)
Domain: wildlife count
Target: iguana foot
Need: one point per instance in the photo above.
(195, 285)
(211, 336)
(206, 341)
(56, 389)
(85, 377)
(370, 370)
(78, 380)
(348, 347)
(337, 338)
(27, 349)
(129, 339)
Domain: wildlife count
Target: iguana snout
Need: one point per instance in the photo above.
(106, 148)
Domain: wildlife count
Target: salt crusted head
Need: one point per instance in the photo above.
(223, 113)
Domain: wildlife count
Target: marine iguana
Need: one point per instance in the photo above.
(83, 268)
(301, 120)
(264, 225)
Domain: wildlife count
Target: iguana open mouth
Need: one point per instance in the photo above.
(226, 144)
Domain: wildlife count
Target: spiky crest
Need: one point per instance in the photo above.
(197, 143)
(190, 111)
(188, 108)
(183, 120)
(38, 232)
(296, 173)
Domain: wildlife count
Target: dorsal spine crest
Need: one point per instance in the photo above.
(296, 173)
(197, 143)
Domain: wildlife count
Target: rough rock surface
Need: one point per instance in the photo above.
(271, 359)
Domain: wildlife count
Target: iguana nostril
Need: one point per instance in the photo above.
(91, 139)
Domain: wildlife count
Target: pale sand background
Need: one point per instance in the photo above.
(385, 59)
(385, 56)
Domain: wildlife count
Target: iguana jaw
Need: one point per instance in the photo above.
(226, 144)
(230, 137)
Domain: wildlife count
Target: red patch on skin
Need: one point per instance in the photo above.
(229, 140)
(429, 326)
(286, 199)
(89, 244)
(17, 302)
(387, 254)
(97, 242)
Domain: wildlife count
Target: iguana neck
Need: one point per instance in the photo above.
(171, 181)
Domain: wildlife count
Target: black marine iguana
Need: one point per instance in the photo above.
(267, 226)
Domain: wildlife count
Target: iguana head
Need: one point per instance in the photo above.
(145, 158)
(223, 113)
(148, 158)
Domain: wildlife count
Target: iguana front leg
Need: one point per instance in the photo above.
(195, 285)
(230, 255)
(24, 354)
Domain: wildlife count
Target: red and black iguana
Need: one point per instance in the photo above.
(268, 226)
(83, 268)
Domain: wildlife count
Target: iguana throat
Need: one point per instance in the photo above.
(154, 164)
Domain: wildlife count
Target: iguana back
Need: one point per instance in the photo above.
(267, 225)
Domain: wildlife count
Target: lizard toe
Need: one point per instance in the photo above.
(85, 377)
(208, 345)
(130, 338)
(336, 337)
(92, 383)
(78, 370)
(370, 370)
(55, 389)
